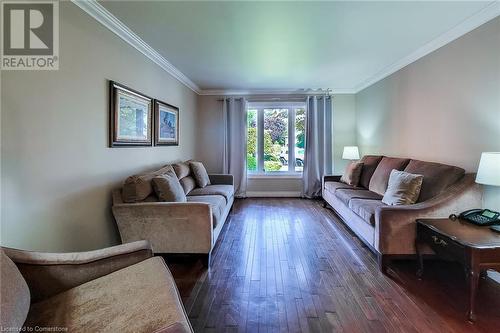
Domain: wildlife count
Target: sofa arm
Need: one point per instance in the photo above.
(331, 178)
(221, 179)
(171, 227)
(48, 274)
(395, 226)
(328, 178)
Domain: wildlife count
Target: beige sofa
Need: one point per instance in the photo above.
(190, 227)
(116, 289)
(389, 231)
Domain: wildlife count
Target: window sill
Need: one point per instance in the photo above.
(274, 175)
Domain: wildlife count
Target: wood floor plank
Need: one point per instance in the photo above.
(290, 265)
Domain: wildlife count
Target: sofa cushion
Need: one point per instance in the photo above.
(437, 177)
(352, 173)
(227, 191)
(182, 169)
(15, 299)
(188, 184)
(168, 188)
(380, 178)
(346, 195)
(199, 173)
(370, 163)
(403, 188)
(139, 187)
(216, 202)
(365, 209)
(332, 187)
(139, 298)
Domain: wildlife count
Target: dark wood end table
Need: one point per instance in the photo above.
(475, 247)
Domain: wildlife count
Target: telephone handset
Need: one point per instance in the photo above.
(481, 217)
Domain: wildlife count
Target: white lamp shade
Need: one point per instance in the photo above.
(350, 153)
(488, 172)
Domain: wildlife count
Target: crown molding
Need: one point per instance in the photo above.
(103, 16)
(472, 22)
(248, 92)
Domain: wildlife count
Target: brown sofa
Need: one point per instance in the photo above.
(116, 289)
(190, 227)
(389, 231)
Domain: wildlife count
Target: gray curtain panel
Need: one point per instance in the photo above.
(235, 143)
(318, 152)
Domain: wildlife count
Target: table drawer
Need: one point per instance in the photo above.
(442, 245)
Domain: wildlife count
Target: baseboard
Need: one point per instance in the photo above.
(273, 194)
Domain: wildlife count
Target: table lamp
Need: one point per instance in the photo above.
(350, 153)
(488, 173)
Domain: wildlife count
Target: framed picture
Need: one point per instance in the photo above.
(166, 124)
(130, 114)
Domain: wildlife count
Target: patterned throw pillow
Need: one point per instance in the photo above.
(403, 188)
(352, 173)
(200, 174)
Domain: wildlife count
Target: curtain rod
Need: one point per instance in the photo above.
(274, 99)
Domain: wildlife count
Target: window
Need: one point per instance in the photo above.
(276, 136)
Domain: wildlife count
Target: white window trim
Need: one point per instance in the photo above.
(275, 174)
(260, 106)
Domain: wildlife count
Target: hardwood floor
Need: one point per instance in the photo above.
(291, 265)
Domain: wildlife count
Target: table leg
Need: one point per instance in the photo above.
(473, 273)
(420, 270)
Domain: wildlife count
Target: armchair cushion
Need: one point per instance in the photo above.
(227, 191)
(437, 177)
(15, 295)
(174, 328)
(138, 298)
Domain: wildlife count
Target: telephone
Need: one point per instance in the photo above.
(481, 217)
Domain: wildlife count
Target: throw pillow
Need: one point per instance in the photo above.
(352, 173)
(168, 188)
(138, 187)
(200, 174)
(403, 188)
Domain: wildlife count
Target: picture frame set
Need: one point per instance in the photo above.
(137, 120)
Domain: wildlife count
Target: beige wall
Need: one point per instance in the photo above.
(444, 107)
(344, 129)
(57, 171)
(210, 136)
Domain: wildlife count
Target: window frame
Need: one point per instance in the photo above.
(260, 107)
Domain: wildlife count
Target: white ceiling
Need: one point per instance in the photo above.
(290, 45)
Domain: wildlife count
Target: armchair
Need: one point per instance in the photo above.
(107, 290)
